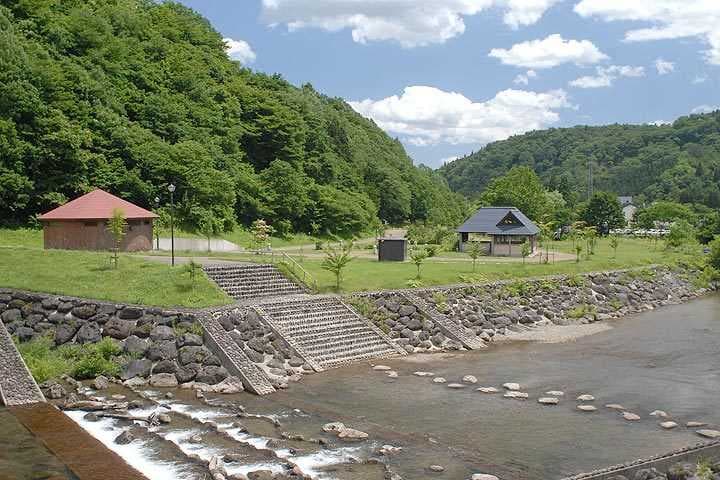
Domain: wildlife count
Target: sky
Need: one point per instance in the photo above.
(447, 77)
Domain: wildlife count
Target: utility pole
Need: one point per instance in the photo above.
(590, 180)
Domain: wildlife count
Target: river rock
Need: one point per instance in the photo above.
(483, 476)
(101, 383)
(469, 379)
(423, 374)
(163, 380)
(630, 417)
(88, 333)
(388, 450)
(124, 438)
(695, 424)
(162, 333)
(659, 414)
(352, 434)
(708, 433)
(488, 390)
(392, 374)
(84, 311)
(555, 393)
(118, 329)
(436, 468)
(455, 385)
(668, 425)
(136, 368)
(135, 382)
(228, 386)
(162, 350)
(65, 332)
(211, 375)
(513, 387)
(165, 366)
(381, 368)
(614, 406)
(439, 380)
(190, 340)
(549, 400)
(195, 354)
(516, 395)
(130, 313)
(586, 398)
(587, 408)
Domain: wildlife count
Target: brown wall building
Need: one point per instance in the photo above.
(82, 224)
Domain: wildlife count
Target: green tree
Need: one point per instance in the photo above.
(336, 259)
(520, 188)
(614, 243)
(681, 234)
(604, 210)
(418, 257)
(476, 250)
(209, 226)
(525, 250)
(260, 232)
(714, 258)
(117, 226)
(578, 251)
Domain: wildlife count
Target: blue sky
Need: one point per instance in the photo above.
(448, 76)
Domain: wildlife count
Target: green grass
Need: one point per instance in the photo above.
(89, 274)
(21, 237)
(79, 361)
(365, 274)
(243, 238)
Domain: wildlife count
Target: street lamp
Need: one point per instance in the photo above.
(157, 232)
(171, 189)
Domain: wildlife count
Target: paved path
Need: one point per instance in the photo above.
(17, 387)
(182, 260)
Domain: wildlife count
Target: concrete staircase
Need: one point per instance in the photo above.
(253, 280)
(326, 332)
(17, 386)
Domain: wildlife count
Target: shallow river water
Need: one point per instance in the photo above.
(667, 359)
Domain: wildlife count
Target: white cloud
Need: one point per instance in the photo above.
(239, 50)
(605, 76)
(699, 79)
(664, 67)
(428, 116)
(412, 23)
(524, 78)
(445, 160)
(660, 123)
(669, 19)
(705, 108)
(549, 52)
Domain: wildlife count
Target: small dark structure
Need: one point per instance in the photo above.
(81, 224)
(501, 230)
(392, 249)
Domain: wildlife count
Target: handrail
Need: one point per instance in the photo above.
(305, 274)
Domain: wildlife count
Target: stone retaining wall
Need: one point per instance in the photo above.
(499, 308)
(153, 340)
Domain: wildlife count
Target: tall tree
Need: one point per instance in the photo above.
(520, 188)
(604, 210)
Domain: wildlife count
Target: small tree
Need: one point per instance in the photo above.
(475, 252)
(681, 234)
(193, 269)
(714, 259)
(614, 243)
(336, 259)
(590, 235)
(525, 250)
(209, 226)
(160, 225)
(578, 251)
(117, 226)
(261, 232)
(418, 256)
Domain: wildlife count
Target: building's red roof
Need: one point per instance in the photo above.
(96, 205)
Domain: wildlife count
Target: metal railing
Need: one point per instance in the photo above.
(299, 272)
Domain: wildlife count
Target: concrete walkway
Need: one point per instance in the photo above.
(17, 386)
(182, 260)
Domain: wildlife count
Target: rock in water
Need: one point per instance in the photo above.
(124, 438)
(586, 398)
(614, 406)
(708, 433)
(659, 413)
(513, 387)
(695, 424)
(549, 400)
(352, 434)
(488, 390)
(423, 374)
(483, 476)
(555, 393)
(100, 383)
(469, 379)
(439, 380)
(517, 395)
(586, 408)
(163, 380)
(668, 425)
(456, 385)
(436, 468)
(381, 368)
(630, 417)
(387, 450)
(392, 374)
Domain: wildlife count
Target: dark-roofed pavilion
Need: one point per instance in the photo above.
(81, 224)
(501, 230)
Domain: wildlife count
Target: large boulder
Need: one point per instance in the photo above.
(162, 333)
(135, 346)
(11, 315)
(65, 332)
(165, 366)
(119, 329)
(136, 368)
(190, 340)
(88, 333)
(193, 355)
(24, 334)
(164, 350)
(211, 375)
(187, 373)
(163, 380)
(130, 313)
(84, 311)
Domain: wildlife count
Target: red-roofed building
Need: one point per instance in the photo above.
(81, 224)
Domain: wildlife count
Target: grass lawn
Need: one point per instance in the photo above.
(364, 274)
(21, 237)
(90, 275)
(243, 238)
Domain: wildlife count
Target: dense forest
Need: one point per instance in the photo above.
(131, 95)
(678, 162)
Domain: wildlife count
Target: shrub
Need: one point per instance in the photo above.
(582, 310)
(714, 258)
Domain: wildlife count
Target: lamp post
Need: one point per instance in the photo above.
(171, 189)
(157, 232)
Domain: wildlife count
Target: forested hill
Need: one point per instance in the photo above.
(678, 162)
(130, 95)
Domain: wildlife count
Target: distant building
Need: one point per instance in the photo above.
(628, 207)
(501, 230)
(625, 200)
(81, 224)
